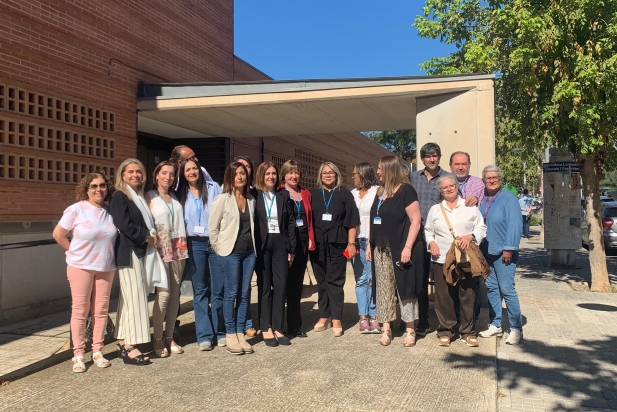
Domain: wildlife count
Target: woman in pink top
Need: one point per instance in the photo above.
(90, 263)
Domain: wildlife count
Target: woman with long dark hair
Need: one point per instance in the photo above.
(275, 240)
(196, 196)
(231, 226)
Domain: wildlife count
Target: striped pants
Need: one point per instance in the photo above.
(133, 320)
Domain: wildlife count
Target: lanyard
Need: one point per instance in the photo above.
(199, 207)
(489, 203)
(297, 202)
(323, 193)
(269, 209)
(381, 199)
(171, 209)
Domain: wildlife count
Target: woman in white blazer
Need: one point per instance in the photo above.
(232, 238)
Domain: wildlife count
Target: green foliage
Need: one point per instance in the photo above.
(400, 142)
(557, 62)
(610, 180)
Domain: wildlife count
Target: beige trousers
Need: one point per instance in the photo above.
(167, 301)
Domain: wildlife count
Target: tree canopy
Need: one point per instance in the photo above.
(556, 63)
(400, 142)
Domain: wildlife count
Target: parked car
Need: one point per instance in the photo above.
(609, 226)
(536, 206)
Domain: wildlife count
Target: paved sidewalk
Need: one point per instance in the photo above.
(568, 359)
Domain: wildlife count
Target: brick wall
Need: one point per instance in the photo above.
(68, 78)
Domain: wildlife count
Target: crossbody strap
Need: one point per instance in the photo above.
(443, 210)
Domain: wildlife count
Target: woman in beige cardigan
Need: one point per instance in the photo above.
(231, 236)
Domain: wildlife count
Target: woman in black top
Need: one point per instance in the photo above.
(305, 242)
(396, 249)
(335, 218)
(275, 240)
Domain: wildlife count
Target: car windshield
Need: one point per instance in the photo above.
(610, 212)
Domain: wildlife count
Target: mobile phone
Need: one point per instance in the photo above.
(346, 253)
(404, 266)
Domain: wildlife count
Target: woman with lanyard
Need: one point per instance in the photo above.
(396, 249)
(196, 195)
(305, 241)
(275, 242)
(364, 194)
(336, 218)
(171, 245)
(502, 215)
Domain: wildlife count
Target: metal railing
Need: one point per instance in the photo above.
(32, 243)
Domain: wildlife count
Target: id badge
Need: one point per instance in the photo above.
(327, 217)
(199, 230)
(175, 235)
(299, 222)
(377, 221)
(274, 229)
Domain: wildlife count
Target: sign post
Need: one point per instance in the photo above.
(561, 183)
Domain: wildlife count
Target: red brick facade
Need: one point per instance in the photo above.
(62, 63)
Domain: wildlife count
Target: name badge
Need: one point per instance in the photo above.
(199, 230)
(274, 229)
(175, 235)
(377, 221)
(299, 223)
(326, 217)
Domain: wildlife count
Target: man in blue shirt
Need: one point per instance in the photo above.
(425, 183)
(525, 203)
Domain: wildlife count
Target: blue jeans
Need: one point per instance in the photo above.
(526, 222)
(199, 264)
(364, 281)
(500, 284)
(217, 284)
(238, 271)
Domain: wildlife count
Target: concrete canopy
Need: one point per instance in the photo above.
(444, 109)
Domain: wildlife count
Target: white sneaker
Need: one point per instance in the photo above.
(221, 342)
(491, 331)
(514, 337)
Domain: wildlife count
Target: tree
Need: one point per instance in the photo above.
(557, 68)
(610, 180)
(400, 142)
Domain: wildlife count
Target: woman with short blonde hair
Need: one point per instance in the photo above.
(336, 218)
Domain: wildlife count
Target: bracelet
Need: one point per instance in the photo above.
(351, 243)
(407, 247)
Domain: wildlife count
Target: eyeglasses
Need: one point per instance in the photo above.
(431, 156)
(101, 186)
(354, 173)
(492, 179)
(448, 187)
(328, 173)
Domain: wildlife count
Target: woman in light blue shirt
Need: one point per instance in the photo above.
(196, 195)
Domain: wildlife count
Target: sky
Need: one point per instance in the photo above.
(324, 39)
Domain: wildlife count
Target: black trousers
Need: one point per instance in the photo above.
(423, 294)
(330, 276)
(274, 283)
(445, 298)
(295, 282)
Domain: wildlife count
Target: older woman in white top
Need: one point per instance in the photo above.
(365, 181)
(172, 247)
(467, 226)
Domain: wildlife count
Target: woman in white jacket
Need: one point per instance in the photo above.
(232, 238)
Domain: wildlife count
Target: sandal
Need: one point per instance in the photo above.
(174, 348)
(138, 360)
(386, 337)
(409, 339)
(160, 353)
(101, 362)
(78, 364)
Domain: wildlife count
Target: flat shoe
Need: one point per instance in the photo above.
(283, 340)
(338, 332)
(386, 337)
(444, 340)
(320, 327)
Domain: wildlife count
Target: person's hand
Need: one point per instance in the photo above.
(368, 254)
(406, 255)
(471, 201)
(434, 249)
(464, 241)
(506, 257)
(151, 241)
(290, 258)
(351, 250)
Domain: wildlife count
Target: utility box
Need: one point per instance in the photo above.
(562, 207)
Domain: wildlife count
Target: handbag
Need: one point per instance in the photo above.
(462, 262)
(89, 327)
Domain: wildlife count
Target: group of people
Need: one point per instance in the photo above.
(395, 229)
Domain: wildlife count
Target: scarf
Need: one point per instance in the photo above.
(156, 275)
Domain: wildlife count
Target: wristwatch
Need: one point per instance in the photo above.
(474, 238)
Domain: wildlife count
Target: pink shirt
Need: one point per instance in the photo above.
(94, 234)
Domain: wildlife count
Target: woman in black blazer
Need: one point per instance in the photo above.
(275, 240)
(133, 321)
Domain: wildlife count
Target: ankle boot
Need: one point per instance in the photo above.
(233, 345)
(246, 347)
